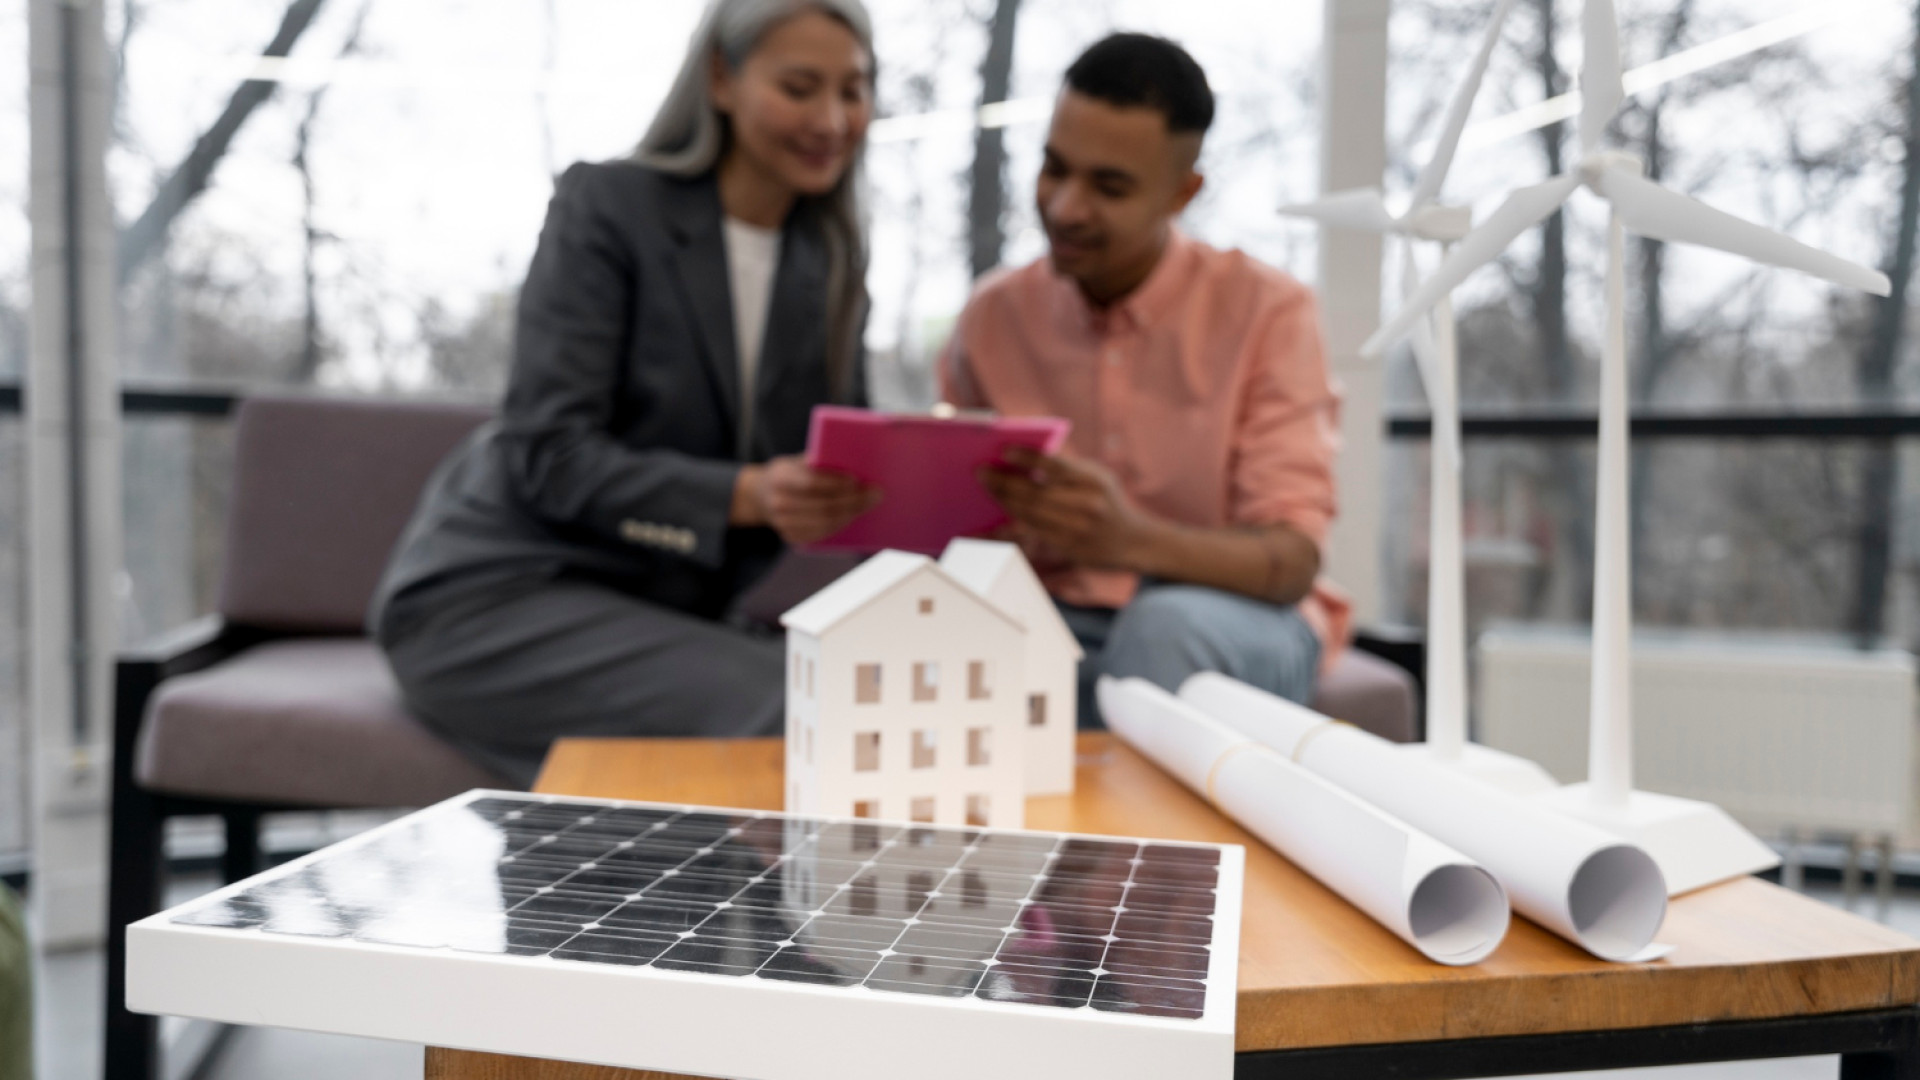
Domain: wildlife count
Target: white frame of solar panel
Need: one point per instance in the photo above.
(670, 1021)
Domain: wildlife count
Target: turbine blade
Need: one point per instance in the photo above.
(1600, 91)
(1653, 211)
(1524, 209)
(1360, 208)
(1434, 177)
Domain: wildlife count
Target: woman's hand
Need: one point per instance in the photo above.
(801, 503)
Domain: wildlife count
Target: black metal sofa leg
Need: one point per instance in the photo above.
(241, 859)
(135, 880)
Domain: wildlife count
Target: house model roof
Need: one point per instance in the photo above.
(868, 582)
(999, 572)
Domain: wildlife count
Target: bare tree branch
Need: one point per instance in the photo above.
(987, 202)
(312, 347)
(147, 234)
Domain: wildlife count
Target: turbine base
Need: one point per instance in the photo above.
(1695, 843)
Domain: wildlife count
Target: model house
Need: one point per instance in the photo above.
(906, 699)
(999, 572)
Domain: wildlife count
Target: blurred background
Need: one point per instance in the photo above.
(344, 194)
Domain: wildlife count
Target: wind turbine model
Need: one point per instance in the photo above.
(1434, 347)
(1695, 843)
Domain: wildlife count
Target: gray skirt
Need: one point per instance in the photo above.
(505, 665)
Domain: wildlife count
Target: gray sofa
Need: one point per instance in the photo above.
(277, 701)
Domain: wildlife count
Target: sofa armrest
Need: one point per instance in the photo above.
(187, 647)
(1404, 647)
(139, 670)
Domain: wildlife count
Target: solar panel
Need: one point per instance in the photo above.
(725, 943)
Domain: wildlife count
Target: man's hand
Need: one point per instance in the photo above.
(1071, 509)
(1072, 512)
(801, 503)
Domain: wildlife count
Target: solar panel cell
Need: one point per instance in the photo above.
(710, 957)
(925, 975)
(825, 967)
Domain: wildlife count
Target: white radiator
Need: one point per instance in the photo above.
(1779, 734)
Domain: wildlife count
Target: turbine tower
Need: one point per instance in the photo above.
(1695, 843)
(1435, 350)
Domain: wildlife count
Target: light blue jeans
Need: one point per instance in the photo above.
(1170, 632)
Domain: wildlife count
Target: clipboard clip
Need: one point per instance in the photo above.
(943, 410)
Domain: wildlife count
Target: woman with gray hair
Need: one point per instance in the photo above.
(574, 567)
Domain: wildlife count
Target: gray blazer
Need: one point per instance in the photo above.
(616, 450)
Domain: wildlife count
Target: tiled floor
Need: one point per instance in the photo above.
(69, 1033)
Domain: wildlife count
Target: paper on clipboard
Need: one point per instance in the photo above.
(924, 467)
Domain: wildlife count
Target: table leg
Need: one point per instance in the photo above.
(467, 1065)
(1877, 1045)
(1898, 1058)
(1894, 1065)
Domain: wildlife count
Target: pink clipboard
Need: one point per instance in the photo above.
(924, 467)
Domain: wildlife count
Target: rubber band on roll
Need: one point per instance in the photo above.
(1300, 748)
(1213, 774)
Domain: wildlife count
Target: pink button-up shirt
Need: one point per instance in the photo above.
(1205, 391)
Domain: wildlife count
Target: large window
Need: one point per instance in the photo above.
(1804, 136)
(1260, 59)
(370, 223)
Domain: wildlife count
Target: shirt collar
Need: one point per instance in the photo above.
(1148, 303)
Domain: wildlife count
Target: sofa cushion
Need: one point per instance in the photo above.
(322, 488)
(313, 721)
(1371, 694)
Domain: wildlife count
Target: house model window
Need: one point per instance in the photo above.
(964, 754)
(979, 746)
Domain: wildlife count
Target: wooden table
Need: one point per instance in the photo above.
(1757, 971)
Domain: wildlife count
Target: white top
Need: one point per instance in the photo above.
(753, 255)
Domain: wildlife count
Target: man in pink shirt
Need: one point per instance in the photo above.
(1181, 529)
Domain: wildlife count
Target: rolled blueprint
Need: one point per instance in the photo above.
(1590, 887)
(1431, 896)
